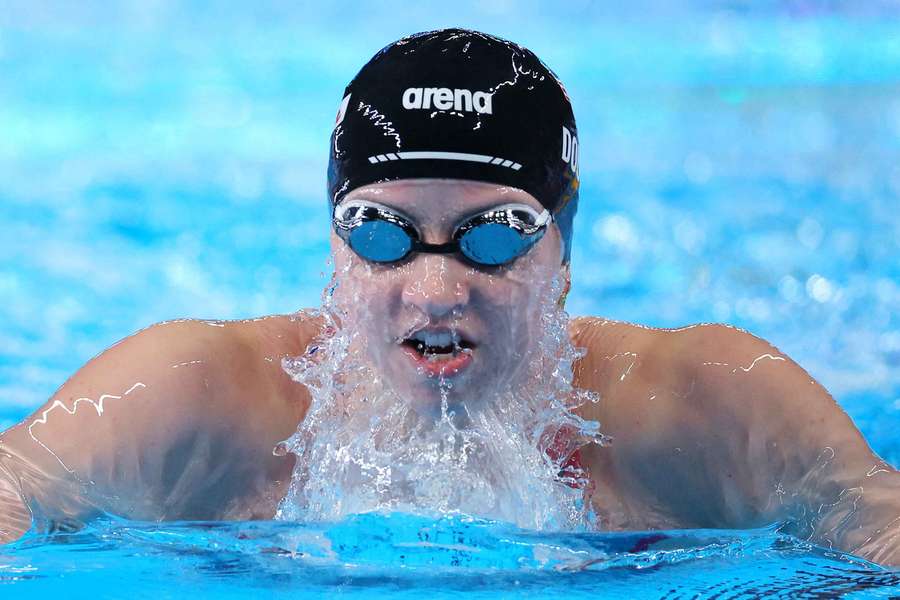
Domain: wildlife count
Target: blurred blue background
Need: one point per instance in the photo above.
(740, 163)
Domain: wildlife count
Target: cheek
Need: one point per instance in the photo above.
(367, 296)
(510, 309)
(514, 303)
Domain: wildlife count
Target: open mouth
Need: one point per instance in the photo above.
(439, 352)
(437, 344)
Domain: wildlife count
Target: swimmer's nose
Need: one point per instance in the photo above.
(437, 285)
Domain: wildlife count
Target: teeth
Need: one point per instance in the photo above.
(436, 338)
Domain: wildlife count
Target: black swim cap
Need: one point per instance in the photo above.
(459, 104)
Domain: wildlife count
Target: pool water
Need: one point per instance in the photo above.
(163, 160)
(408, 556)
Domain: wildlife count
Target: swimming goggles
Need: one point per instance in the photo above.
(494, 237)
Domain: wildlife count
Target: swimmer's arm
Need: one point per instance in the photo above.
(175, 422)
(15, 516)
(788, 451)
(713, 427)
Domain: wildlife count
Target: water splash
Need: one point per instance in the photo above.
(495, 450)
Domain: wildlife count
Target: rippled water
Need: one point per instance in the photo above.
(408, 556)
(740, 164)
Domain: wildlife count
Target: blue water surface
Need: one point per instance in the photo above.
(158, 160)
(401, 555)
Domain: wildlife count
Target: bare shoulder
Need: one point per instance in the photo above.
(713, 411)
(185, 362)
(616, 354)
(705, 377)
(182, 401)
(713, 344)
(744, 375)
(697, 357)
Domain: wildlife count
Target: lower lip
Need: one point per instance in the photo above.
(441, 367)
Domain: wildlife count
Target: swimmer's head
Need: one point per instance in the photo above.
(453, 182)
(464, 105)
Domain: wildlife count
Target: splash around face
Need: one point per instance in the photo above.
(440, 387)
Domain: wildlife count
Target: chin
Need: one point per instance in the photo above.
(425, 393)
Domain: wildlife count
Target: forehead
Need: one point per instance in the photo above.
(433, 199)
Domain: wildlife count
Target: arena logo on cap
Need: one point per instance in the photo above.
(447, 99)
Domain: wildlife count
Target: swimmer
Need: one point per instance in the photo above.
(453, 184)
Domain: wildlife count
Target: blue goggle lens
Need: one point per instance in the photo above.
(380, 241)
(496, 237)
(494, 244)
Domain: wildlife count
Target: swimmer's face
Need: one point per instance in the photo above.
(476, 325)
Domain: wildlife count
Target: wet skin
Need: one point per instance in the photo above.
(712, 427)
